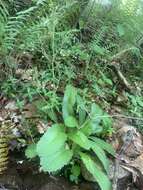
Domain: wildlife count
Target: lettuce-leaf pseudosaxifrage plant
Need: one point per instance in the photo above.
(74, 142)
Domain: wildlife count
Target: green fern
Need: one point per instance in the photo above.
(26, 22)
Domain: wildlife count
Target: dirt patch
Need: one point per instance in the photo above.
(16, 179)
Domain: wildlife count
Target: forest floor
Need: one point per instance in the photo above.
(125, 170)
(99, 52)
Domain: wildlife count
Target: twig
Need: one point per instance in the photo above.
(118, 116)
(120, 75)
(118, 55)
(121, 116)
(123, 79)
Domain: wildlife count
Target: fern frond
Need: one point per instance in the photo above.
(3, 11)
(14, 25)
(41, 2)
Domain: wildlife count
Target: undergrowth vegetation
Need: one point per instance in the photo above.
(73, 141)
(95, 46)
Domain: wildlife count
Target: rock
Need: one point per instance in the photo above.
(128, 143)
(123, 176)
(136, 147)
(122, 173)
(138, 164)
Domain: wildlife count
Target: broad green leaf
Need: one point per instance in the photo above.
(96, 113)
(56, 161)
(104, 145)
(51, 141)
(96, 172)
(81, 110)
(91, 127)
(87, 128)
(80, 139)
(96, 110)
(70, 121)
(107, 121)
(82, 116)
(69, 101)
(101, 155)
(30, 151)
(96, 128)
